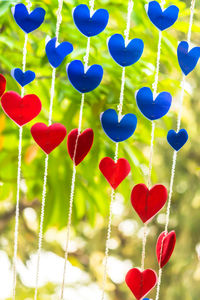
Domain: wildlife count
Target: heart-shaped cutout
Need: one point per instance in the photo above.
(116, 130)
(147, 203)
(28, 22)
(82, 80)
(114, 173)
(2, 84)
(82, 143)
(87, 24)
(177, 139)
(165, 247)
(48, 137)
(187, 59)
(21, 110)
(125, 55)
(162, 19)
(150, 108)
(141, 283)
(23, 78)
(56, 54)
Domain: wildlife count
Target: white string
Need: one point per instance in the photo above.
(144, 240)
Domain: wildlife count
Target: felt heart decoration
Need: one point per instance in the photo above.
(125, 55)
(147, 203)
(177, 139)
(82, 80)
(141, 283)
(48, 137)
(21, 110)
(83, 144)
(162, 19)
(116, 130)
(150, 108)
(87, 24)
(28, 22)
(165, 247)
(56, 54)
(23, 78)
(114, 173)
(2, 84)
(187, 59)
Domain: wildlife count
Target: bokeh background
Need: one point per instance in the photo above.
(181, 277)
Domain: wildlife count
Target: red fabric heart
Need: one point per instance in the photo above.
(114, 173)
(84, 144)
(48, 138)
(147, 203)
(21, 110)
(166, 242)
(141, 283)
(2, 84)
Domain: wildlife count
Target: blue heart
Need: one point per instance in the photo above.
(57, 54)
(84, 81)
(23, 78)
(177, 139)
(153, 109)
(162, 19)
(118, 131)
(87, 24)
(28, 21)
(125, 55)
(187, 60)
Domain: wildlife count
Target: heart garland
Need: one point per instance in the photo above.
(23, 78)
(187, 59)
(177, 139)
(165, 247)
(2, 84)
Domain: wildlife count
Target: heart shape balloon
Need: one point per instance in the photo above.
(56, 54)
(177, 139)
(165, 247)
(125, 55)
(82, 143)
(23, 78)
(2, 84)
(28, 22)
(21, 110)
(150, 108)
(162, 19)
(82, 80)
(187, 59)
(141, 283)
(48, 137)
(116, 130)
(114, 173)
(147, 203)
(90, 24)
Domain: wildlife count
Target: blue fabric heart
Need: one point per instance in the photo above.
(84, 81)
(187, 59)
(118, 131)
(153, 109)
(28, 22)
(162, 19)
(125, 55)
(87, 24)
(57, 54)
(23, 78)
(177, 139)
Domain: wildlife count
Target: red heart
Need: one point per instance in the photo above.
(48, 138)
(141, 283)
(84, 144)
(166, 242)
(114, 173)
(147, 203)
(21, 110)
(2, 84)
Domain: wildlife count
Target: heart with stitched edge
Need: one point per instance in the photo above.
(141, 283)
(23, 78)
(82, 142)
(187, 59)
(162, 19)
(21, 110)
(48, 137)
(177, 139)
(166, 242)
(2, 84)
(90, 24)
(147, 203)
(125, 55)
(28, 22)
(114, 173)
